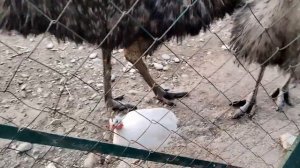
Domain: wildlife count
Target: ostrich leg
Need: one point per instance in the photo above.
(282, 94)
(109, 101)
(133, 54)
(245, 106)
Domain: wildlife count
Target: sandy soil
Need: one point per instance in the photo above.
(210, 134)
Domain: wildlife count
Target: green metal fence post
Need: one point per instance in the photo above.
(43, 138)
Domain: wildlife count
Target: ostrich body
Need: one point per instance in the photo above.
(267, 35)
(101, 22)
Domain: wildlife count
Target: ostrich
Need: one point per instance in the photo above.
(267, 32)
(103, 22)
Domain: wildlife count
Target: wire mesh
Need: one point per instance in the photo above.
(58, 87)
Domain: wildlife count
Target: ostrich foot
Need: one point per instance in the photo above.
(117, 105)
(166, 97)
(282, 99)
(244, 107)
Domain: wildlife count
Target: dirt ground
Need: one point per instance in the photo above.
(210, 134)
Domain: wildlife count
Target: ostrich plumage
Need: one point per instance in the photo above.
(105, 23)
(267, 32)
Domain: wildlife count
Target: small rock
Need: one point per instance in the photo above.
(113, 61)
(158, 66)
(106, 135)
(39, 90)
(125, 69)
(24, 75)
(184, 76)
(51, 165)
(6, 106)
(99, 85)
(120, 50)
(113, 77)
(93, 55)
(224, 47)
(24, 147)
(80, 48)
(287, 140)
(93, 96)
(73, 60)
(56, 122)
(31, 39)
(23, 94)
(108, 159)
(90, 82)
(201, 40)
(132, 71)
(165, 68)
(165, 56)
(90, 161)
(148, 100)
(132, 92)
(23, 87)
(209, 52)
(176, 60)
(114, 52)
(50, 45)
(46, 95)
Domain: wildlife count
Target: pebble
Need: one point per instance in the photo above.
(106, 135)
(287, 140)
(184, 76)
(80, 48)
(24, 147)
(93, 55)
(132, 71)
(93, 96)
(114, 52)
(165, 68)
(23, 94)
(166, 56)
(158, 66)
(90, 82)
(113, 61)
(23, 87)
(24, 75)
(108, 159)
(73, 60)
(113, 77)
(99, 85)
(148, 100)
(90, 161)
(50, 45)
(133, 92)
(224, 47)
(176, 60)
(39, 90)
(51, 165)
(56, 122)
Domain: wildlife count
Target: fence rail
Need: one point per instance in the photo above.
(43, 138)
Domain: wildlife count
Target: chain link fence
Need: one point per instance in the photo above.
(58, 88)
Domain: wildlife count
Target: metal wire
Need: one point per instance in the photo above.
(89, 122)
